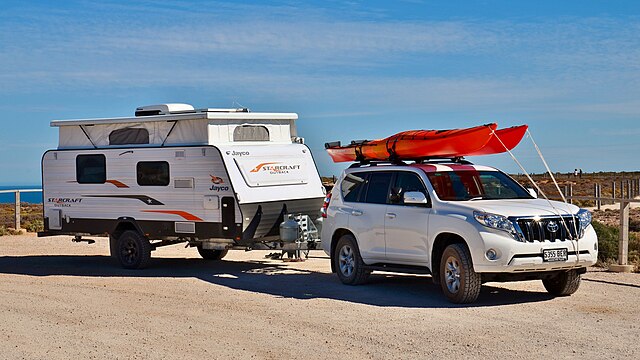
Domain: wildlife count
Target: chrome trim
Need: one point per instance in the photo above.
(536, 230)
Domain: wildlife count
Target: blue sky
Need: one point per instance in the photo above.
(350, 69)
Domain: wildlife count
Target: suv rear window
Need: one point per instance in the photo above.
(351, 186)
(378, 189)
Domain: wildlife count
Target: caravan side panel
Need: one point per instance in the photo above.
(189, 204)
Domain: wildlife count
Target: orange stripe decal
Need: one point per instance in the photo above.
(117, 183)
(185, 215)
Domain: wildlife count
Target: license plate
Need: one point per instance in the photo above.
(553, 255)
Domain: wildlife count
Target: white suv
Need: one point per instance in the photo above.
(464, 224)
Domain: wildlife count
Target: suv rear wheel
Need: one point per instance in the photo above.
(459, 282)
(563, 284)
(348, 263)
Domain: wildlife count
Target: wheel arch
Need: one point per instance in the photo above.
(334, 241)
(440, 243)
(125, 224)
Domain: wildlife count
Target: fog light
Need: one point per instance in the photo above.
(595, 246)
(491, 254)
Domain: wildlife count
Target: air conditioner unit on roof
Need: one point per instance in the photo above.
(164, 109)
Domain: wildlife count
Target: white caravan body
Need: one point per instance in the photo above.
(220, 177)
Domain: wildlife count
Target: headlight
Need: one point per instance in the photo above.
(584, 216)
(495, 221)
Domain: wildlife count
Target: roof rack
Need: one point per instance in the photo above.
(428, 160)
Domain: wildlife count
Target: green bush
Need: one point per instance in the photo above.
(34, 226)
(608, 238)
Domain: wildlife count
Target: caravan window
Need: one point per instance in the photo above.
(91, 169)
(129, 136)
(250, 133)
(153, 173)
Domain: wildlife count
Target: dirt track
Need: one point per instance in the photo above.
(60, 300)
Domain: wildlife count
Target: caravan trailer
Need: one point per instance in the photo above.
(217, 179)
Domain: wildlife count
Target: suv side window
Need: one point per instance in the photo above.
(408, 181)
(352, 185)
(378, 187)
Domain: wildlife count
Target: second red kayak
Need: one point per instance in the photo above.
(417, 144)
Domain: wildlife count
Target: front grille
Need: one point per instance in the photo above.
(548, 229)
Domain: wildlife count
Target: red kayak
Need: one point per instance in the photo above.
(509, 138)
(415, 144)
(419, 144)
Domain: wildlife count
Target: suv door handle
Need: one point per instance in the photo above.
(391, 215)
(356, 212)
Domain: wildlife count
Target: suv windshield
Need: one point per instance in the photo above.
(476, 185)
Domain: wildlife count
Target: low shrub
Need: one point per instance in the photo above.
(34, 225)
(608, 241)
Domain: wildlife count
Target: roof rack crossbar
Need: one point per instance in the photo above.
(425, 160)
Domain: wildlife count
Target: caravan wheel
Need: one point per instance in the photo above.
(212, 254)
(134, 250)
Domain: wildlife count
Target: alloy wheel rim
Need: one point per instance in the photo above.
(130, 252)
(346, 260)
(452, 274)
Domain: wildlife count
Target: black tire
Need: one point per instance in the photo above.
(459, 282)
(348, 262)
(134, 250)
(212, 254)
(564, 284)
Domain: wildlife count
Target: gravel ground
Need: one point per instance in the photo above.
(61, 300)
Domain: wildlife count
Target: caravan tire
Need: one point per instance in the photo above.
(212, 254)
(134, 250)
(113, 246)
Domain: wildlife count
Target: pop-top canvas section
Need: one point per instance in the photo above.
(163, 125)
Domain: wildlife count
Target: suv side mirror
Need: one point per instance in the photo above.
(415, 198)
(533, 192)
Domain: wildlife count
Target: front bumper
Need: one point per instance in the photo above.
(517, 257)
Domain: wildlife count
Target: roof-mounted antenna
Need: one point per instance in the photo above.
(237, 105)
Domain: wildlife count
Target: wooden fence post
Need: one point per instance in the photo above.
(613, 191)
(623, 251)
(17, 210)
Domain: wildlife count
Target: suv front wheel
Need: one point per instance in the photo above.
(459, 282)
(563, 284)
(348, 263)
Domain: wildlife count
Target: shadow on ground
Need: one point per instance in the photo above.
(269, 278)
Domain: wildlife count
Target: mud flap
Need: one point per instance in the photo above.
(228, 217)
(275, 230)
(250, 231)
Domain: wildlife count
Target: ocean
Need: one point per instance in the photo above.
(30, 197)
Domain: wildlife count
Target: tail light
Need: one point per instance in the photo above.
(325, 205)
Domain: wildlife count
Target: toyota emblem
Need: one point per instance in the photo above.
(553, 227)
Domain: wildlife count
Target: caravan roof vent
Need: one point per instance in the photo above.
(164, 109)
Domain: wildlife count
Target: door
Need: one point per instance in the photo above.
(366, 213)
(406, 226)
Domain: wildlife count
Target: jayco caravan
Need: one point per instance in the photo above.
(217, 179)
